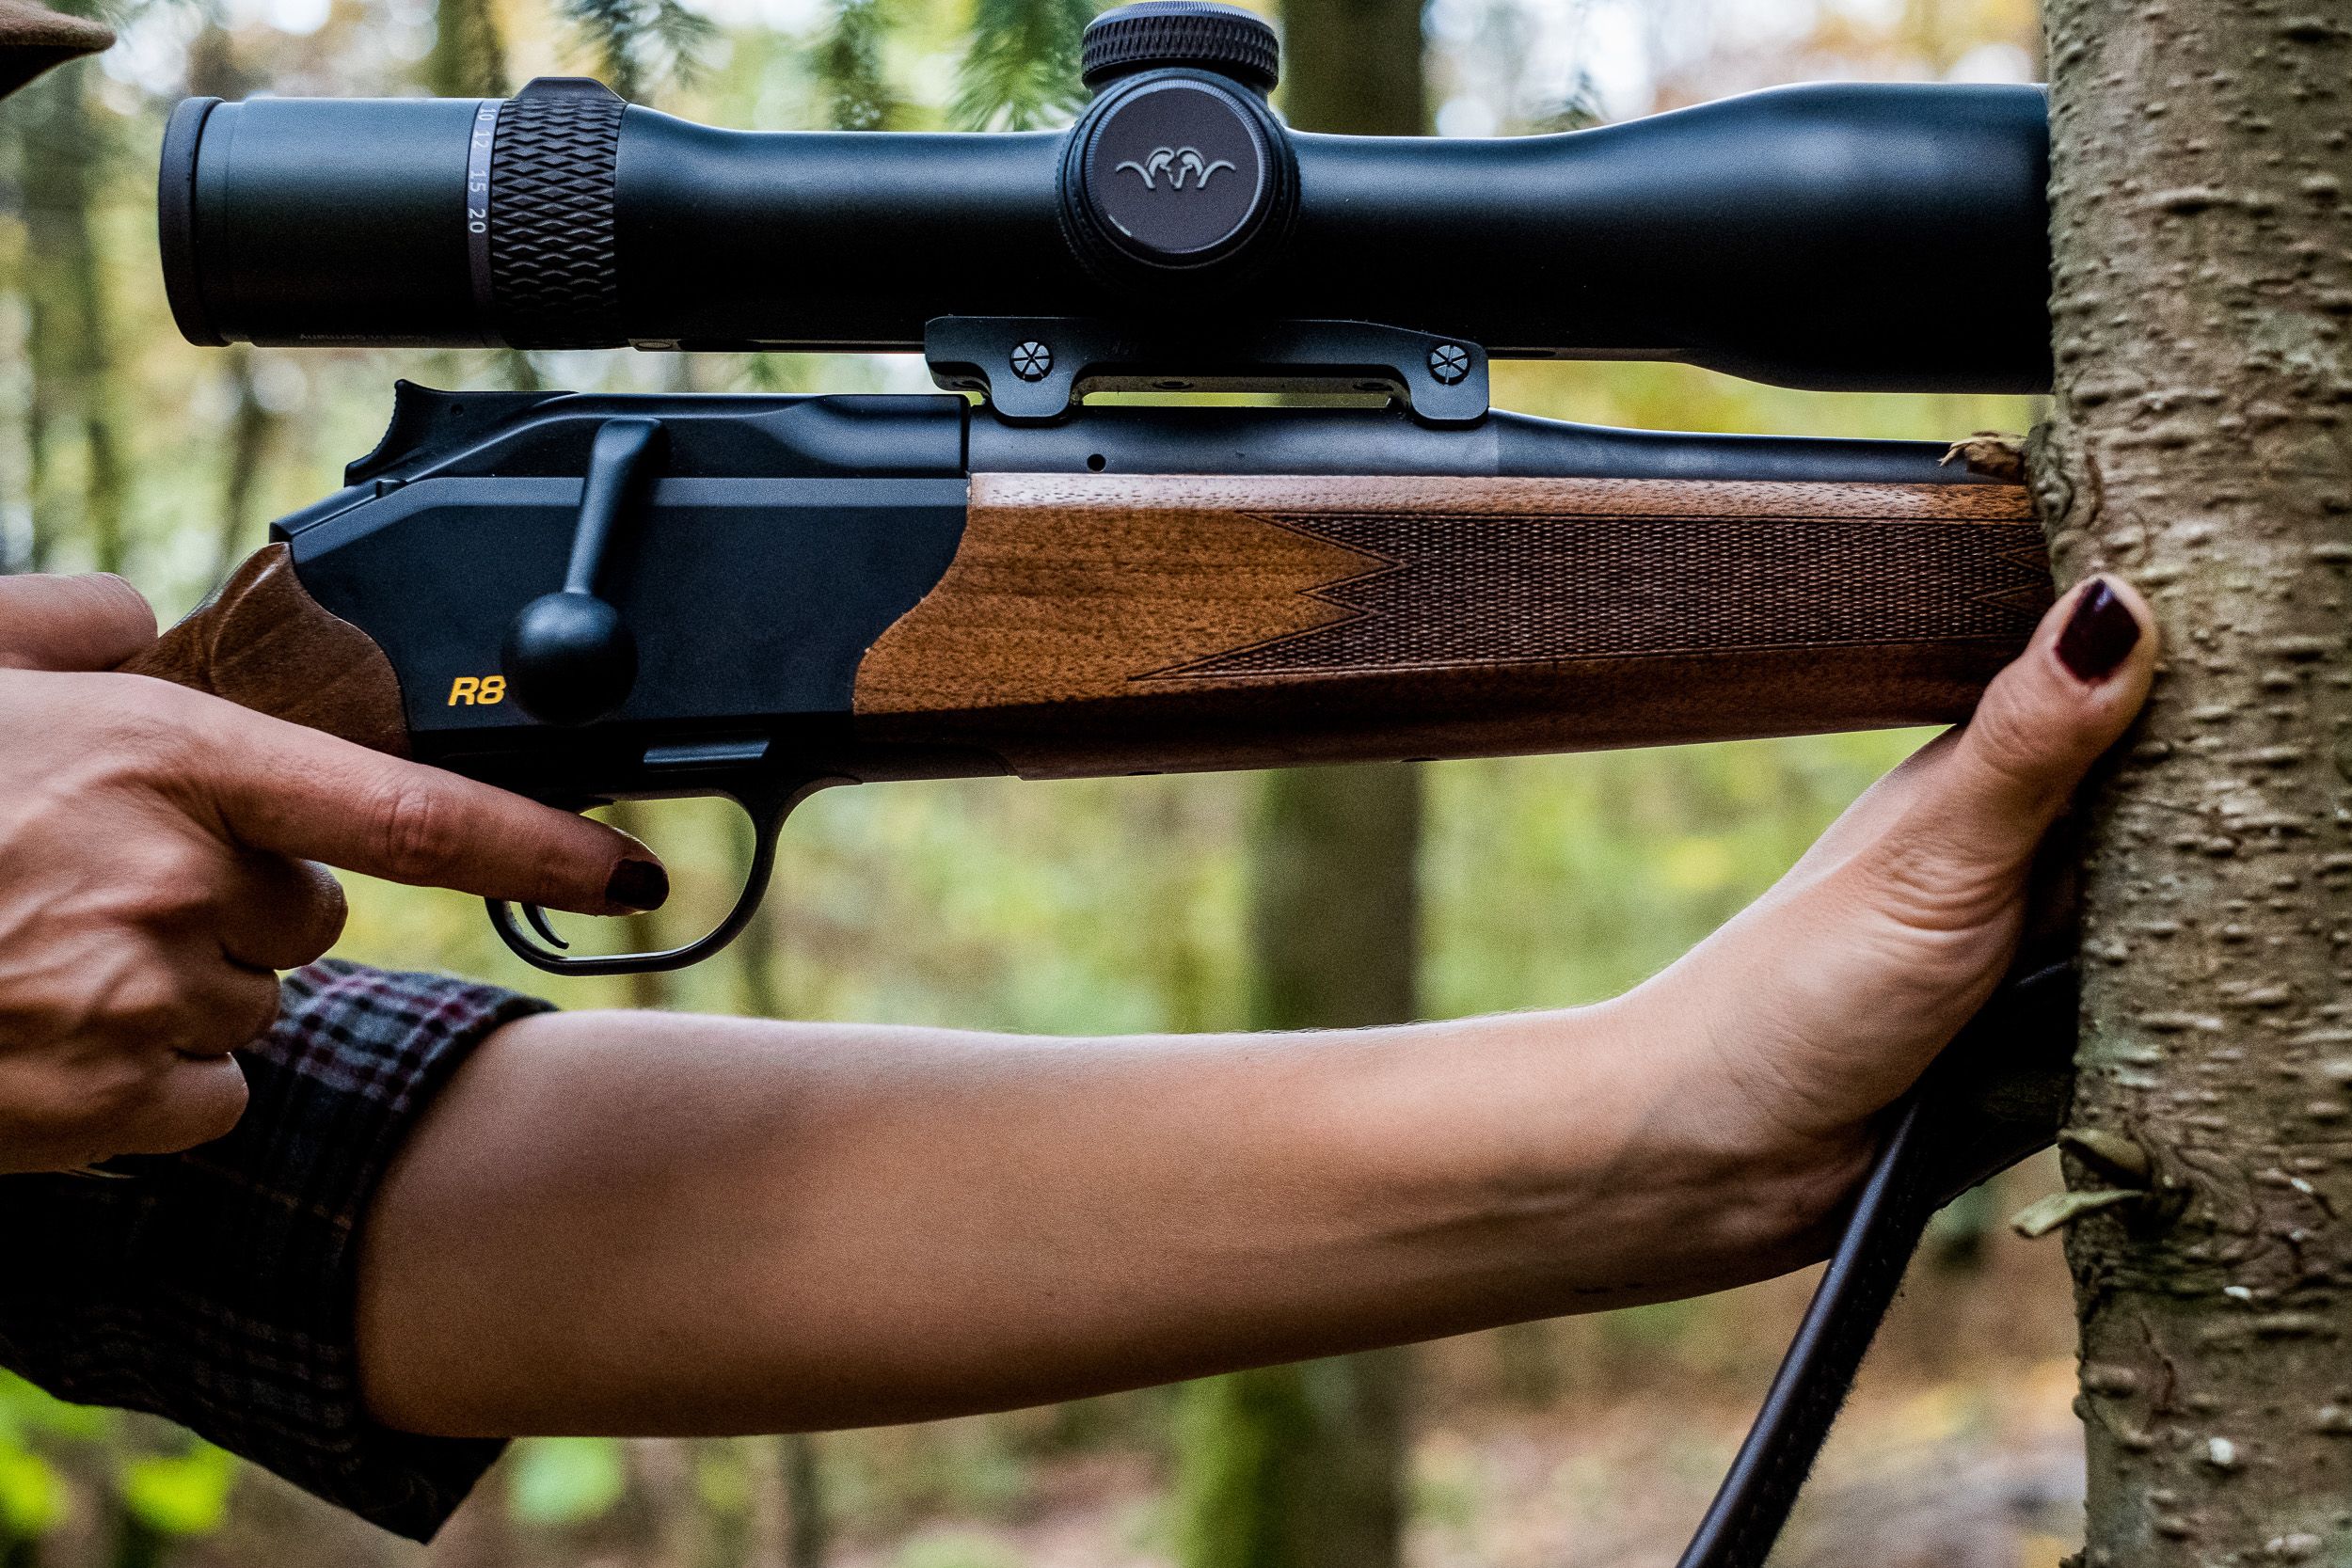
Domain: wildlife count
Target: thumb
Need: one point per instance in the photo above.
(90, 622)
(1977, 817)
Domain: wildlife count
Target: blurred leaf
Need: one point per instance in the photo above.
(640, 44)
(1021, 66)
(848, 67)
(25, 1410)
(180, 1494)
(32, 1494)
(565, 1481)
(956, 1549)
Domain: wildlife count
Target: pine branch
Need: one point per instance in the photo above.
(850, 71)
(640, 44)
(1021, 67)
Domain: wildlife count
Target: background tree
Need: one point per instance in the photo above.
(64, 151)
(1304, 1465)
(2199, 163)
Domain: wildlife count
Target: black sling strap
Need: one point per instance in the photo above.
(1996, 1095)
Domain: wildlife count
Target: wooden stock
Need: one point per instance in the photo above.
(265, 643)
(1133, 624)
(1111, 623)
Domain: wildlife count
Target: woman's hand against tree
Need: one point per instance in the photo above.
(1821, 1002)
(157, 866)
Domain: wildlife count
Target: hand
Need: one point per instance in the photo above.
(1823, 1000)
(156, 866)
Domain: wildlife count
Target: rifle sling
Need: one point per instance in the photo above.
(1997, 1094)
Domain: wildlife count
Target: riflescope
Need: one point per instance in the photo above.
(1851, 236)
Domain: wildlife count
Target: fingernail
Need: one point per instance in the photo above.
(2098, 635)
(637, 885)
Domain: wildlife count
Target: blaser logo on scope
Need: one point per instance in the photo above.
(1179, 163)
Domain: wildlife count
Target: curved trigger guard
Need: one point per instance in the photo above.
(765, 807)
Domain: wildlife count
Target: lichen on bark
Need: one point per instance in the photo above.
(2202, 225)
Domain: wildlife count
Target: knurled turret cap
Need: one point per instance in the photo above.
(34, 37)
(1153, 33)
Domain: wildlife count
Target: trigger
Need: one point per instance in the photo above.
(538, 918)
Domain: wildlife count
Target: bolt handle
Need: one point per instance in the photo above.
(569, 658)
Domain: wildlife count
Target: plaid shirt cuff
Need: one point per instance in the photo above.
(216, 1288)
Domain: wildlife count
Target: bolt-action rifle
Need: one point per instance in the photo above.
(593, 597)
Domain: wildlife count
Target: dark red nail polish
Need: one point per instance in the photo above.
(2098, 636)
(637, 885)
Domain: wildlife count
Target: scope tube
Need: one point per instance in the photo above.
(1844, 236)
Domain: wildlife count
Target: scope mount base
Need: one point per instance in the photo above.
(1033, 370)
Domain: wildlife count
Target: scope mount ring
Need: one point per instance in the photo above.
(1033, 370)
(767, 805)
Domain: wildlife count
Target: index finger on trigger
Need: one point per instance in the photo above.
(294, 791)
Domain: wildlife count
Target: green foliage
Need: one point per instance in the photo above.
(32, 1494)
(184, 1493)
(640, 44)
(557, 1481)
(1021, 65)
(1233, 1433)
(850, 69)
(35, 1493)
(955, 1549)
(28, 1414)
(965, 1469)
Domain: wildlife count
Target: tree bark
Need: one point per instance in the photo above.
(1303, 1466)
(1354, 66)
(469, 58)
(800, 1535)
(63, 153)
(2202, 288)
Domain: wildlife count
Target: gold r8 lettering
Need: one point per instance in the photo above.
(477, 692)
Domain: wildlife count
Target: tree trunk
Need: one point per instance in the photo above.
(469, 58)
(2199, 157)
(252, 431)
(1354, 66)
(1303, 1466)
(800, 1534)
(72, 395)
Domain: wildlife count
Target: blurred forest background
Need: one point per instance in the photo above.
(1122, 905)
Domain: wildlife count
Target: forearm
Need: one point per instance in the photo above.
(647, 1222)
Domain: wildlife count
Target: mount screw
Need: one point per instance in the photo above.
(1449, 363)
(1032, 360)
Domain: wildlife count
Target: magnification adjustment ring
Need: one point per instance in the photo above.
(554, 256)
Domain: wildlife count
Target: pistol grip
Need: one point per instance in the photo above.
(262, 642)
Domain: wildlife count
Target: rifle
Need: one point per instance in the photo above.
(587, 598)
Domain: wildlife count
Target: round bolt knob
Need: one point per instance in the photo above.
(1201, 34)
(1449, 363)
(568, 658)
